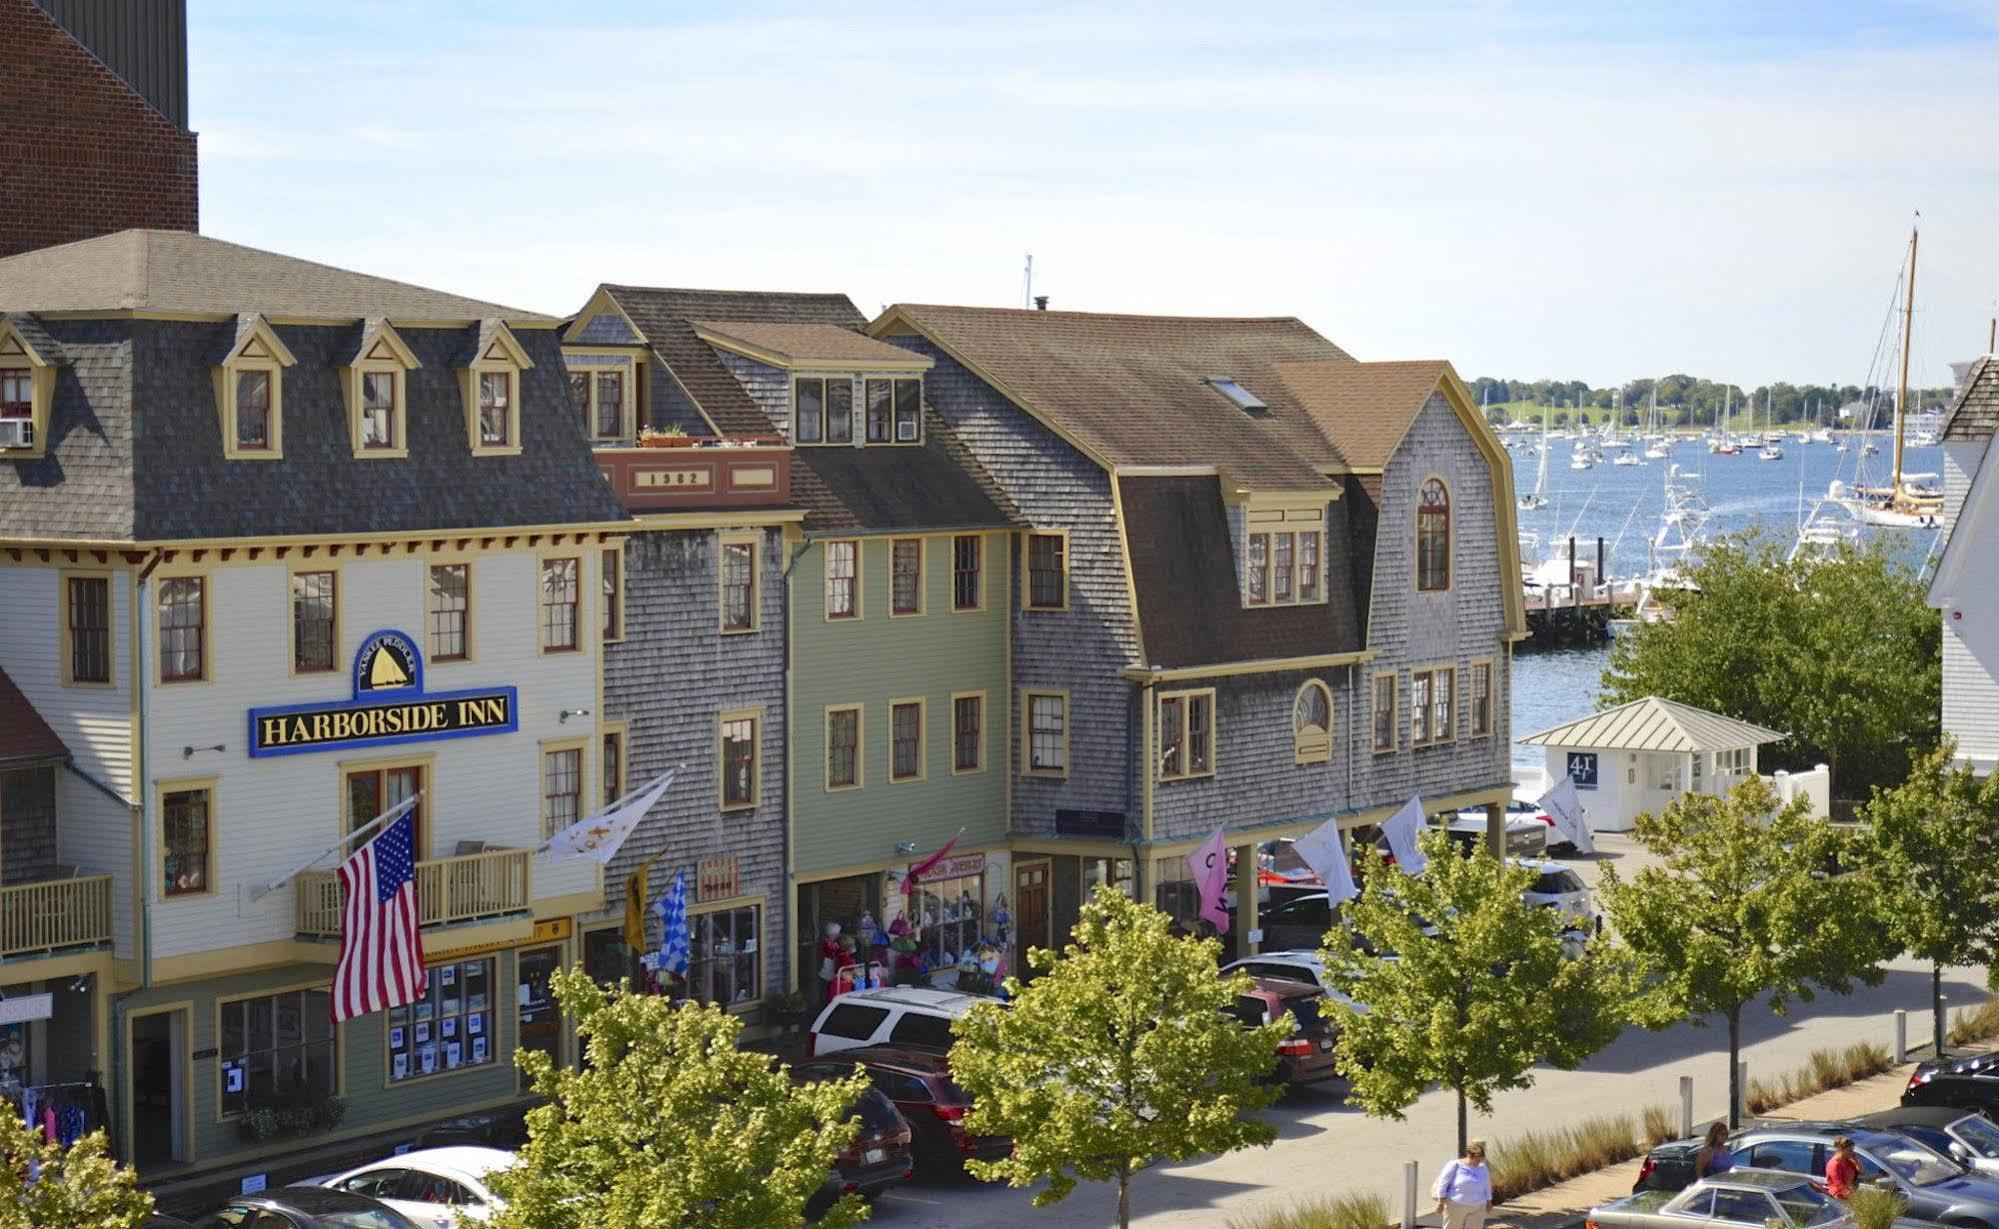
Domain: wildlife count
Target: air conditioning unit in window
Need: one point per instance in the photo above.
(905, 432)
(16, 433)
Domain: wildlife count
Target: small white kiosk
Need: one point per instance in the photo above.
(1640, 756)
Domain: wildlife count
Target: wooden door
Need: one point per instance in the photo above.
(1030, 906)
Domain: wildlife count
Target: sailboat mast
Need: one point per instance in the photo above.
(1901, 399)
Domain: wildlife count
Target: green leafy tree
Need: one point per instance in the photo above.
(43, 1184)
(670, 1124)
(1932, 845)
(1837, 651)
(1480, 990)
(1120, 1050)
(1740, 905)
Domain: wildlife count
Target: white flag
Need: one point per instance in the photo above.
(1566, 809)
(598, 837)
(1324, 851)
(1401, 830)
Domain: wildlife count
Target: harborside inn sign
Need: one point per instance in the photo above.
(389, 706)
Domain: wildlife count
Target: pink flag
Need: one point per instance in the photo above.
(1210, 864)
(925, 867)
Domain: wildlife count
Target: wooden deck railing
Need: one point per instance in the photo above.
(55, 914)
(460, 889)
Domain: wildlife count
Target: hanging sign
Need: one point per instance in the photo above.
(957, 866)
(20, 1008)
(389, 706)
(1582, 769)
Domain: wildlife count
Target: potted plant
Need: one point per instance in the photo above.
(671, 437)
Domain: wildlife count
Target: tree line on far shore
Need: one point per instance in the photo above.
(1686, 400)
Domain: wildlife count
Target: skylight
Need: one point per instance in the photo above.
(1246, 401)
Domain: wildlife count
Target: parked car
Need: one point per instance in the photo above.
(913, 1017)
(878, 1156)
(158, 1221)
(1745, 1198)
(1526, 836)
(431, 1185)
(1970, 1137)
(1306, 1056)
(921, 1088)
(1936, 1187)
(1968, 1084)
(305, 1207)
(1301, 923)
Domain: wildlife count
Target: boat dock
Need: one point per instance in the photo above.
(1566, 602)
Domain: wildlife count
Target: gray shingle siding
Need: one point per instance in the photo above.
(768, 386)
(1257, 780)
(670, 678)
(607, 329)
(28, 825)
(670, 406)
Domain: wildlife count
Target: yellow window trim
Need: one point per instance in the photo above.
(757, 902)
(860, 747)
(978, 603)
(755, 716)
(922, 571)
(16, 354)
(1491, 698)
(339, 1038)
(860, 584)
(426, 830)
(1394, 711)
(225, 402)
(157, 895)
(722, 544)
(622, 731)
(585, 630)
(1159, 751)
(985, 720)
(627, 371)
(1027, 698)
(1262, 525)
(1450, 535)
(206, 575)
(1431, 671)
(922, 739)
(291, 618)
(469, 559)
(1307, 745)
(1027, 569)
(494, 1057)
(585, 790)
(67, 660)
(615, 553)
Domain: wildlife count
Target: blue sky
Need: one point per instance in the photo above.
(1573, 190)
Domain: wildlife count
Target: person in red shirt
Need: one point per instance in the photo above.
(1842, 1172)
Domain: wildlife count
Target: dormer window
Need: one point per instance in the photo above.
(823, 411)
(249, 391)
(492, 388)
(496, 409)
(377, 388)
(1246, 401)
(1282, 565)
(17, 407)
(381, 425)
(895, 411)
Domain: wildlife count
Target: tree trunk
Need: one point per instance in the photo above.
(1735, 1066)
(1464, 1125)
(1936, 1007)
(1124, 1194)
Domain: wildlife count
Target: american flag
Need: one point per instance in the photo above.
(381, 946)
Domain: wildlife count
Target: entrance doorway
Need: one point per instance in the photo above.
(1030, 903)
(540, 1018)
(159, 1093)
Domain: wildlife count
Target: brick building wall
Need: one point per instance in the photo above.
(81, 153)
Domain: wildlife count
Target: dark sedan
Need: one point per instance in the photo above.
(305, 1207)
(921, 1087)
(1965, 1083)
(1306, 1056)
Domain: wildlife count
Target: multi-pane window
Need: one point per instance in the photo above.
(968, 733)
(1444, 707)
(1308, 566)
(17, 392)
(614, 766)
(906, 576)
(1383, 708)
(1047, 732)
(448, 610)
(739, 761)
(839, 411)
(739, 586)
(378, 409)
(1433, 536)
(496, 405)
(881, 411)
(967, 585)
(1047, 571)
(1480, 699)
(613, 568)
(1419, 708)
(372, 791)
(1186, 734)
(89, 629)
(808, 412)
(1732, 763)
(1257, 574)
(1281, 567)
(253, 410)
(843, 748)
(579, 395)
(894, 411)
(312, 622)
(609, 423)
(455, 1024)
(185, 817)
(905, 728)
(723, 966)
(1312, 724)
(561, 789)
(183, 635)
(1433, 706)
(843, 580)
(908, 411)
(559, 599)
(275, 1048)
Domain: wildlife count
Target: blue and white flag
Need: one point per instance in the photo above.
(671, 910)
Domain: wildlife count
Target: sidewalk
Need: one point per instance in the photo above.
(1564, 1205)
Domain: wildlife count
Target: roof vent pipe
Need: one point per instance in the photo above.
(1041, 302)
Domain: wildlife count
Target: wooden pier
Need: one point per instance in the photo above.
(1577, 610)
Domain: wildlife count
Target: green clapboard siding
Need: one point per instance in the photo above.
(873, 660)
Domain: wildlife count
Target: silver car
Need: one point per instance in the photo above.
(1936, 1187)
(1738, 1199)
(1970, 1137)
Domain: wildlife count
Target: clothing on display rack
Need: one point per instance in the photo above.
(63, 1113)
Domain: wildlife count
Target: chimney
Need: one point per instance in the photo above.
(1041, 302)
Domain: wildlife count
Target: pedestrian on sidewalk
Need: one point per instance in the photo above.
(1842, 1172)
(1714, 1156)
(1464, 1189)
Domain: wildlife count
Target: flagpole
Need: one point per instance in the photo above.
(393, 813)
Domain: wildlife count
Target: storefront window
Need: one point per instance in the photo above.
(723, 965)
(276, 1050)
(605, 957)
(853, 904)
(450, 1027)
(1175, 895)
(949, 913)
(1120, 873)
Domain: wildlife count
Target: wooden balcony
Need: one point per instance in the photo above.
(732, 472)
(471, 888)
(54, 915)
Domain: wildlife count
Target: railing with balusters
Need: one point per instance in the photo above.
(461, 889)
(53, 914)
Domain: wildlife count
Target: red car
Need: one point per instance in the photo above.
(1306, 1056)
(920, 1086)
(878, 1156)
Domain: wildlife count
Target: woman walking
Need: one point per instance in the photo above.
(1464, 1189)
(1714, 1156)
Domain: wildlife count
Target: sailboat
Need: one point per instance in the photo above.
(1537, 498)
(1901, 504)
(1772, 450)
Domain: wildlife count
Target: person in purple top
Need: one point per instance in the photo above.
(1714, 1156)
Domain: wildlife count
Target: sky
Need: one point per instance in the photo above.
(1568, 190)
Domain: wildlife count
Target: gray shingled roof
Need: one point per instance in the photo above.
(1975, 413)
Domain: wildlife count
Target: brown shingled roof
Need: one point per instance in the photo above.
(1366, 407)
(1135, 391)
(1975, 413)
(24, 737)
(809, 345)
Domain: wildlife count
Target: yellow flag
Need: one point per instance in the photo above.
(635, 904)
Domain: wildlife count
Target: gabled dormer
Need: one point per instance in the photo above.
(491, 387)
(1280, 543)
(250, 391)
(375, 386)
(28, 359)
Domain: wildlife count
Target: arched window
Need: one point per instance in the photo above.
(1312, 724)
(1433, 536)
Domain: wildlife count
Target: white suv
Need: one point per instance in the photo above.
(914, 1017)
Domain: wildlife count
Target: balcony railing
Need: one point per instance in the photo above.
(448, 890)
(54, 914)
(733, 472)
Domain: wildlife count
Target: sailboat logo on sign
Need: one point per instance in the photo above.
(1582, 769)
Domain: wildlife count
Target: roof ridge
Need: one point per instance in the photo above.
(789, 294)
(1037, 311)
